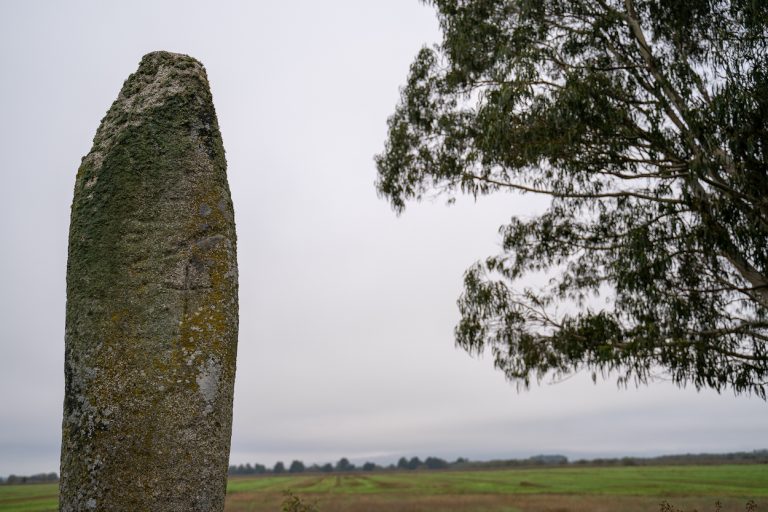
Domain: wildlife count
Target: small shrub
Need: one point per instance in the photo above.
(293, 503)
(664, 506)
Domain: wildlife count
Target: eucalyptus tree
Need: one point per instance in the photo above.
(643, 122)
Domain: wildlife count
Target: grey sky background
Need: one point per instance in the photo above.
(347, 311)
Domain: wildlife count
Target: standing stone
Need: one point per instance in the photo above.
(152, 314)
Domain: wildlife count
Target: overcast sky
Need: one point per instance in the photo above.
(346, 310)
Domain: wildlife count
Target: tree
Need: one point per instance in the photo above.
(414, 463)
(369, 466)
(296, 467)
(327, 467)
(279, 468)
(643, 123)
(402, 463)
(435, 463)
(344, 465)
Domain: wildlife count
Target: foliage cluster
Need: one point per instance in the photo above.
(643, 122)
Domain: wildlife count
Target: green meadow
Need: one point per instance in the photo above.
(571, 489)
(29, 497)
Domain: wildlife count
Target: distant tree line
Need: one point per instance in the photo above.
(39, 478)
(403, 464)
(753, 457)
(343, 465)
(435, 463)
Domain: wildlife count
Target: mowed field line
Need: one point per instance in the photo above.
(570, 489)
(725, 480)
(573, 489)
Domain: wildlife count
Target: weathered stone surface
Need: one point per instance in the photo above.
(152, 313)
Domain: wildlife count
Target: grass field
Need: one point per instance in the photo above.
(626, 489)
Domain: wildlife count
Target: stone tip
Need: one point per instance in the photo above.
(160, 76)
(153, 62)
(166, 57)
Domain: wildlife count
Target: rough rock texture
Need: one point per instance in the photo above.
(152, 314)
